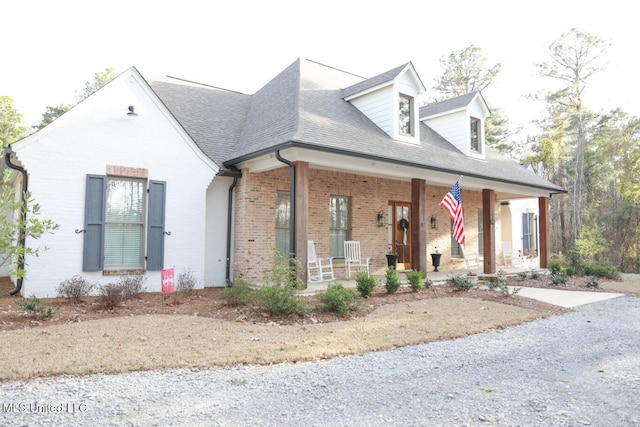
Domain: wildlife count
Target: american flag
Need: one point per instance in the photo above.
(453, 204)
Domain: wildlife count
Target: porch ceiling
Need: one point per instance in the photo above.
(372, 167)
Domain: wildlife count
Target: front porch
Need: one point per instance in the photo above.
(437, 277)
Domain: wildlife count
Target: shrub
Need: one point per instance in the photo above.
(365, 284)
(281, 301)
(500, 283)
(110, 295)
(592, 282)
(35, 308)
(75, 288)
(460, 282)
(131, 285)
(600, 269)
(414, 277)
(187, 282)
(391, 281)
(556, 266)
(285, 271)
(240, 293)
(559, 278)
(340, 300)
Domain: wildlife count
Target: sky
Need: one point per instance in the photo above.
(50, 49)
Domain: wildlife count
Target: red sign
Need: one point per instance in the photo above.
(167, 280)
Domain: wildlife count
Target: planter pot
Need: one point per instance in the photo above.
(473, 280)
(435, 260)
(392, 260)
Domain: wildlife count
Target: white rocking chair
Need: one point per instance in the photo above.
(353, 258)
(318, 269)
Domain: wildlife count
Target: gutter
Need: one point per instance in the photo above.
(292, 192)
(21, 240)
(236, 174)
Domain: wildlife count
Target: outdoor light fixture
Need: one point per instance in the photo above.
(434, 222)
(380, 219)
(131, 112)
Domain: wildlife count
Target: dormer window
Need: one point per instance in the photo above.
(405, 112)
(475, 135)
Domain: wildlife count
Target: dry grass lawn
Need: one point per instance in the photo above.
(188, 335)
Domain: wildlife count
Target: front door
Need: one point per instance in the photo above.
(400, 233)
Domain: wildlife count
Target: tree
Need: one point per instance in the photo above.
(574, 58)
(99, 80)
(465, 71)
(11, 127)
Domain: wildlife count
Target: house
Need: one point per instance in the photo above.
(157, 172)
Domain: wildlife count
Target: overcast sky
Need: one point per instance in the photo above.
(51, 48)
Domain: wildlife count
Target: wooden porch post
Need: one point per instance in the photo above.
(545, 237)
(301, 206)
(418, 227)
(489, 230)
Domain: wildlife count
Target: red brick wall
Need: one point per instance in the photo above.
(255, 217)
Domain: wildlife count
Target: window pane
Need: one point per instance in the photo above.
(339, 224)
(475, 135)
(124, 200)
(283, 220)
(480, 232)
(404, 111)
(122, 245)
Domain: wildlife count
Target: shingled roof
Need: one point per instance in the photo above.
(304, 106)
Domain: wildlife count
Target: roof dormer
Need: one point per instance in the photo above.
(389, 100)
(461, 121)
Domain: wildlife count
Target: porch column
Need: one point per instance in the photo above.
(418, 227)
(545, 237)
(301, 206)
(489, 230)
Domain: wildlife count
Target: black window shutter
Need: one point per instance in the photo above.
(155, 225)
(93, 252)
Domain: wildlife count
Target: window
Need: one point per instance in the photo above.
(475, 135)
(455, 246)
(529, 234)
(405, 118)
(115, 233)
(283, 221)
(339, 224)
(480, 233)
(124, 223)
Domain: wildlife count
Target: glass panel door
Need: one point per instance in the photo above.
(401, 233)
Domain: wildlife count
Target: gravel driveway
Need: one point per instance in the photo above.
(581, 368)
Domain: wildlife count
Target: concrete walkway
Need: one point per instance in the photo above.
(562, 298)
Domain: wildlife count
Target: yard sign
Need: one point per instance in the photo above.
(167, 280)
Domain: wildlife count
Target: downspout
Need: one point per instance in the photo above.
(236, 176)
(292, 191)
(21, 241)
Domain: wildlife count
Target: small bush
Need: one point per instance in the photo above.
(110, 295)
(534, 274)
(593, 282)
(285, 271)
(36, 308)
(281, 301)
(500, 283)
(240, 293)
(391, 281)
(75, 288)
(131, 285)
(340, 300)
(414, 277)
(187, 282)
(523, 274)
(559, 278)
(556, 266)
(460, 282)
(365, 284)
(599, 269)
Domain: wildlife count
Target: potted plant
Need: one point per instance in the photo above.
(435, 258)
(392, 259)
(473, 278)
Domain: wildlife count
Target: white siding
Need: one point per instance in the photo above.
(216, 232)
(454, 128)
(378, 106)
(97, 133)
